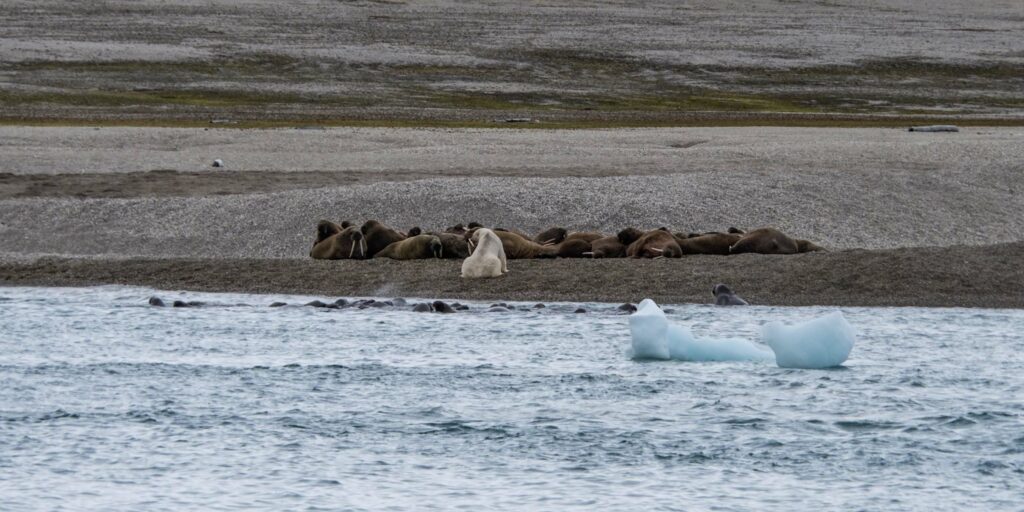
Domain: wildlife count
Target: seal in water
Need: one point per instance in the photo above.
(724, 296)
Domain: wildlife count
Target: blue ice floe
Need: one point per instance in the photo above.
(823, 342)
(654, 337)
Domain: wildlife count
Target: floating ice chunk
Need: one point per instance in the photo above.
(654, 337)
(823, 342)
(648, 327)
(684, 346)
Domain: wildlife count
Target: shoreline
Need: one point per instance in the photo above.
(956, 276)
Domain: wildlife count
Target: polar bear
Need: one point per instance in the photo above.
(487, 258)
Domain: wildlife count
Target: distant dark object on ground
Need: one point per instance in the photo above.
(934, 128)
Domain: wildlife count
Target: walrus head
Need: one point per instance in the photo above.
(736, 231)
(326, 228)
(349, 243)
(358, 245)
(671, 251)
(436, 248)
(629, 235)
(719, 289)
(551, 236)
(414, 232)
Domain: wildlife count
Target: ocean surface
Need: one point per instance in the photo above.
(107, 403)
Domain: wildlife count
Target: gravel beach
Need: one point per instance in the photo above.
(106, 203)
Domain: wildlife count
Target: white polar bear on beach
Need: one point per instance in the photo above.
(487, 258)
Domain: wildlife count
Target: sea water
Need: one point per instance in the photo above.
(107, 403)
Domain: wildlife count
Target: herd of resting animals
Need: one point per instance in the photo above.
(486, 250)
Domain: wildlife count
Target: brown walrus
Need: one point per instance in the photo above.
(378, 236)
(573, 248)
(658, 243)
(771, 241)
(517, 247)
(586, 236)
(453, 246)
(348, 243)
(459, 229)
(807, 246)
(551, 236)
(326, 228)
(418, 247)
(707, 243)
(614, 246)
(524, 236)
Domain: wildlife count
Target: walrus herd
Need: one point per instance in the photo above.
(374, 239)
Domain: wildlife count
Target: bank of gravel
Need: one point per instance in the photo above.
(958, 276)
(863, 188)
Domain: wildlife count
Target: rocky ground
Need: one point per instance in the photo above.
(591, 63)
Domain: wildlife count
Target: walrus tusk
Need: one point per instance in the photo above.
(657, 257)
(352, 250)
(548, 242)
(657, 250)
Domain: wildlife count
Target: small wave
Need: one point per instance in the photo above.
(866, 425)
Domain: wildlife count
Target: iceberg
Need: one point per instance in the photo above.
(648, 327)
(654, 337)
(823, 342)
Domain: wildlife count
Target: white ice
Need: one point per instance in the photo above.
(823, 342)
(648, 327)
(654, 337)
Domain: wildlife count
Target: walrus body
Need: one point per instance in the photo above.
(378, 236)
(771, 241)
(519, 248)
(453, 246)
(573, 248)
(805, 246)
(655, 244)
(607, 247)
(418, 247)
(586, 236)
(348, 243)
(522, 235)
(724, 296)
(488, 258)
(614, 246)
(708, 243)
